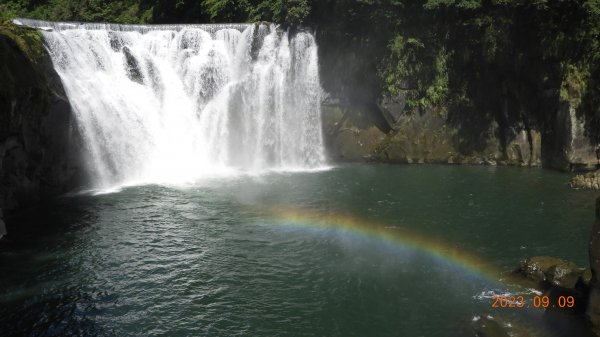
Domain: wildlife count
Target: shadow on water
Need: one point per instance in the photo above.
(37, 283)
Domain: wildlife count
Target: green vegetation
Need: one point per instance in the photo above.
(145, 11)
(28, 40)
(418, 69)
(513, 62)
(124, 11)
(483, 61)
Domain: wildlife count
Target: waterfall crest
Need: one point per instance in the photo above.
(175, 103)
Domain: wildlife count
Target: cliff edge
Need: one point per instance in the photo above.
(39, 143)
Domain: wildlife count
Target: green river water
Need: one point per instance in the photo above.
(218, 258)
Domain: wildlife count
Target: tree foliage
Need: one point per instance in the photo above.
(484, 61)
(120, 11)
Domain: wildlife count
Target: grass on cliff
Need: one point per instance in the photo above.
(29, 40)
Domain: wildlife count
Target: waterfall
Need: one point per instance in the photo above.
(174, 103)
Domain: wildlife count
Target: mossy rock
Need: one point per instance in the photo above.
(29, 40)
(549, 271)
(24, 66)
(564, 274)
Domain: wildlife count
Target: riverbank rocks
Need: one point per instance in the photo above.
(561, 278)
(589, 181)
(593, 310)
(547, 271)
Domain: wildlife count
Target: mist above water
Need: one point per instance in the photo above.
(178, 103)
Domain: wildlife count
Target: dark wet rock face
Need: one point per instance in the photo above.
(39, 142)
(424, 137)
(567, 321)
(392, 108)
(430, 135)
(134, 72)
(593, 310)
(352, 135)
(443, 134)
(566, 146)
(2, 226)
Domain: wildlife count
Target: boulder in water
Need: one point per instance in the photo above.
(564, 274)
(549, 271)
(589, 181)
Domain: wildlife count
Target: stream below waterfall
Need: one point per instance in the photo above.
(351, 251)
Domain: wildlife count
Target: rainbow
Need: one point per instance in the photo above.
(440, 251)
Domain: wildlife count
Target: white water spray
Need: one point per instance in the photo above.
(177, 103)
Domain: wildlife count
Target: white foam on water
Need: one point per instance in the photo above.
(175, 104)
(490, 294)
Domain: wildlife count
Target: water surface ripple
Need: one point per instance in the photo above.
(210, 259)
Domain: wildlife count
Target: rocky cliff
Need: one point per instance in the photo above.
(39, 143)
(388, 133)
(427, 137)
(550, 125)
(593, 310)
(484, 83)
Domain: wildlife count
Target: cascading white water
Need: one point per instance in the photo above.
(177, 103)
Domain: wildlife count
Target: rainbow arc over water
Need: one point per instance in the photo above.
(498, 281)
(445, 252)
